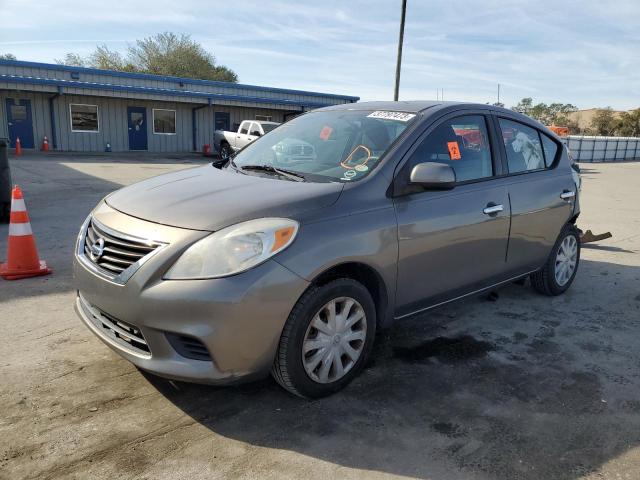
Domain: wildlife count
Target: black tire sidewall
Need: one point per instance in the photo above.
(555, 288)
(338, 288)
(227, 149)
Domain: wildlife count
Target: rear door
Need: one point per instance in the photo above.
(452, 242)
(20, 122)
(541, 190)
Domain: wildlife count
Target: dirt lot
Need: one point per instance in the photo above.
(523, 387)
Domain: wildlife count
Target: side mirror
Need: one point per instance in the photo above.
(433, 176)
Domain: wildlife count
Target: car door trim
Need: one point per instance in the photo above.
(474, 292)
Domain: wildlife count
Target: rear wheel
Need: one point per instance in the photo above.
(558, 273)
(326, 340)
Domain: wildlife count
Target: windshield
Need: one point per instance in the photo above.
(339, 145)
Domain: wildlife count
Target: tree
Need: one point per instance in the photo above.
(604, 122)
(73, 60)
(170, 54)
(552, 114)
(7, 56)
(163, 54)
(629, 123)
(524, 106)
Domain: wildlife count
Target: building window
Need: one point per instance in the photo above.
(164, 122)
(264, 118)
(84, 118)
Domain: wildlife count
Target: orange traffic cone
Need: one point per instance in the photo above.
(22, 255)
(18, 147)
(45, 144)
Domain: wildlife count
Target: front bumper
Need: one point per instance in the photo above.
(238, 319)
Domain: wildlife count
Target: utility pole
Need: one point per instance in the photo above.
(498, 93)
(400, 40)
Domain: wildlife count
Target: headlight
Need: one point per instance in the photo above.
(234, 249)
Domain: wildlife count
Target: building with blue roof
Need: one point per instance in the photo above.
(90, 110)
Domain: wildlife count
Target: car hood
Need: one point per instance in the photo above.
(206, 198)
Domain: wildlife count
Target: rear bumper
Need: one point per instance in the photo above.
(237, 319)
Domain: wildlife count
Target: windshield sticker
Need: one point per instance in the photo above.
(349, 174)
(361, 168)
(325, 133)
(400, 116)
(454, 150)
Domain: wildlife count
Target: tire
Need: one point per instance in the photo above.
(545, 280)
(294, 370)
(225, 151)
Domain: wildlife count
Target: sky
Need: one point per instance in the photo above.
(586, 53)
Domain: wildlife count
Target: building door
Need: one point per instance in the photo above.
(222, 121)
(137, 117)
(19, 121)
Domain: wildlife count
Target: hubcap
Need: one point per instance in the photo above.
(334, 340)
(566, 260)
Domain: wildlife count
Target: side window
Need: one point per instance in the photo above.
(550, 149)
(255, 129)
(462, 143)
(244, 127)
(522, 143)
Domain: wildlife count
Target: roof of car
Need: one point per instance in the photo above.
(416, 106)
(411, 106)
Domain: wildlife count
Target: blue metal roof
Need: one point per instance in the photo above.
(156, 91)
(185, 81)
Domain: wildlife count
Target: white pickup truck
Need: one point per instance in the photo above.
(226, 143)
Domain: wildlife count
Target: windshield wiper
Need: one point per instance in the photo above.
(295, 176)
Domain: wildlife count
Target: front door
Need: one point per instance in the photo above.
(455, 241)
(20, 122)
(137, 119)
(222, 121)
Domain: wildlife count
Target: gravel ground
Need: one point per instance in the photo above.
(517, 387)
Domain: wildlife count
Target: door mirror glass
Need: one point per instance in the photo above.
(433, 176)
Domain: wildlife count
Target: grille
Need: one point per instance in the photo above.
(119, 251)
(125, 335)
(189, 347)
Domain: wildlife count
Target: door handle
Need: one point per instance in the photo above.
(567, 194)
(492, 209)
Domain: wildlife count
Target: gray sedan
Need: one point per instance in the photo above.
(289, 264)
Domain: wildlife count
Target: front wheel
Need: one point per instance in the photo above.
(225, 151)
(326, 340)
(558, 273)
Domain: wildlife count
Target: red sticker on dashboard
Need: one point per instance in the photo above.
(454, 151)
(325, 133)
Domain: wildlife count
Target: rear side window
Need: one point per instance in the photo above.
(550, 149)
(463, 144)
(524, 149)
